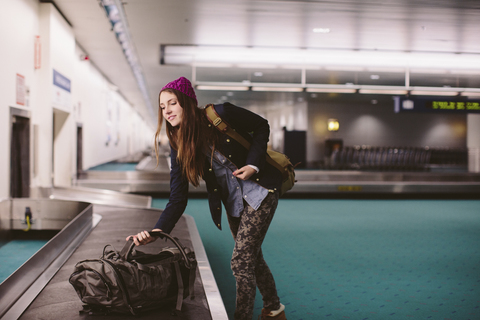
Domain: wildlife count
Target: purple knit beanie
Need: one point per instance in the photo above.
(182, 84)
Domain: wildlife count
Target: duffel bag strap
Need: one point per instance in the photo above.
(193, 274)
(177, 244)
(113, 252)
(127, 249)
(180, 286)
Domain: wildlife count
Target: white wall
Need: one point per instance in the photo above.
(103, 114)
(61, 45)
(473, 142)
(18, 25)
(111, 127)
(473, 139)
(92, 102)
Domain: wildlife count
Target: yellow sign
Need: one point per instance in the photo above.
(455, 105)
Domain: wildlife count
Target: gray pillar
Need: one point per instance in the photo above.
(473, 142)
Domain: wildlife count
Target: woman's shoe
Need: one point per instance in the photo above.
(268, 314)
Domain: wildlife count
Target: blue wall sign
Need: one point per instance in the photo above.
(61, 81)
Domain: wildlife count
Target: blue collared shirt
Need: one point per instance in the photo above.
(235, 190)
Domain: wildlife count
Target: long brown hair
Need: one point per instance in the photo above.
(192, 138)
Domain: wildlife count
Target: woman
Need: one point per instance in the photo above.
(238, 177)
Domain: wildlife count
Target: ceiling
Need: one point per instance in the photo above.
(440, 26)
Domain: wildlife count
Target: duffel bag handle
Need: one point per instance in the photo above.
(130, 245)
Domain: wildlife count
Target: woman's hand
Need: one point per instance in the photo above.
(142, 238)
(244, 173)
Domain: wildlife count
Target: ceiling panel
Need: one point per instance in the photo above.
(381, 25)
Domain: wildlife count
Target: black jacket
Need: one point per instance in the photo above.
(252, 127)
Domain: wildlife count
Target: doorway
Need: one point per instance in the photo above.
(79, 150)
(20, 153)
(62, 171)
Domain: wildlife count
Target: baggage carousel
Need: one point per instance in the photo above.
(49, 295)
(310, 183)
(150, 178)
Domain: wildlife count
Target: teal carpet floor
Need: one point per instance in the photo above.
(15, 253)
(362, 259)
(115, 166)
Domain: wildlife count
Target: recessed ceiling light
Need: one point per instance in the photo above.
(433, 93)
(321, 30)
(383, 91)
(278, 89)
(374, 76)
(221, 88)
(331, 90)
(258, 74)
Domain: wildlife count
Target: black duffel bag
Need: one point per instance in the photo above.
(131, 281)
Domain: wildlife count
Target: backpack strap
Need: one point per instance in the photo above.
(221, 125)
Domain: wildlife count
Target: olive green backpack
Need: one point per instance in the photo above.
(276, 159)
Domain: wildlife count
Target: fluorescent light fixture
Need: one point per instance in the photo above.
(214, 65)
(470, 94)
(334, 88)
(331, 90)
(321, 30)
(256, 66)
(278, 89)
(344, 68)
(296, 67)
(433, 93)
(429, 71)
(382, 91)
(475, 72)
(389, 70)
(191, 54)
(303, 66)
(222, 88)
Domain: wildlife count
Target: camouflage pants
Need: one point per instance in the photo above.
(248, 266)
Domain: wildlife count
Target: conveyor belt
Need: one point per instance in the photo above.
(308, 182)
(152, 179)
(95, 196)
(58, 300)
